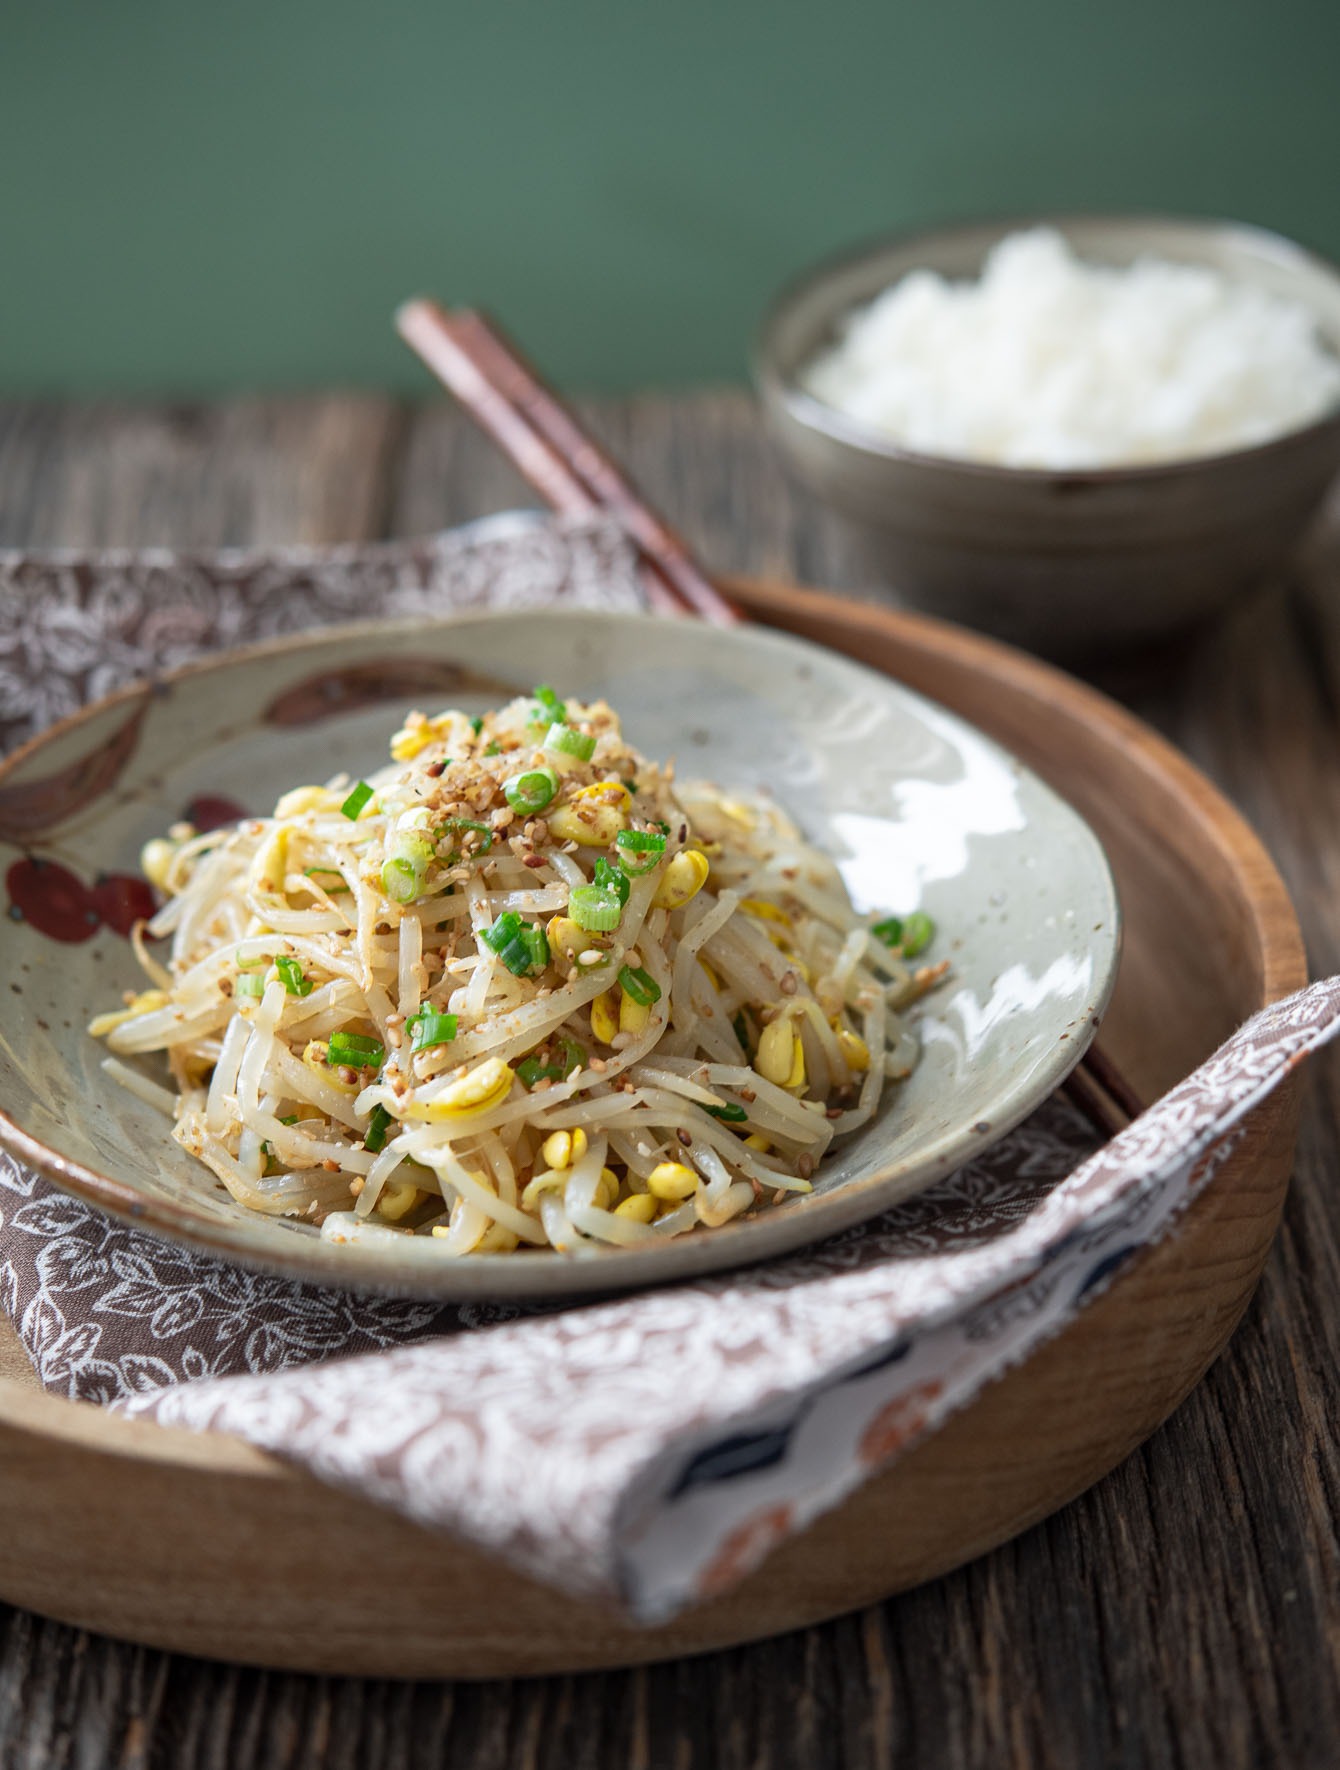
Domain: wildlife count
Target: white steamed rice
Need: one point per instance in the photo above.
(1047, 361)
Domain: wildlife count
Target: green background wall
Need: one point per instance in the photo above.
(195, 198)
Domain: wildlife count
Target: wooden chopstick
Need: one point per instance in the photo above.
(530, 423)
(1083, 1090)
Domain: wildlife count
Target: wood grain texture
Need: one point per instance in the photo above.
(1184, 1612)
(1183, 860)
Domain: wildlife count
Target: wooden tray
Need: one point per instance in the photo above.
(204, 1545)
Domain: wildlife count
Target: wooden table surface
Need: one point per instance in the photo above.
(1186, 1612)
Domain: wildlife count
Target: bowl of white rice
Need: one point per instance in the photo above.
(1077, 434)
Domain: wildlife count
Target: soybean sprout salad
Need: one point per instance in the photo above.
(518, 990)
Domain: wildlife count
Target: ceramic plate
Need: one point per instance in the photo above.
(918, 808)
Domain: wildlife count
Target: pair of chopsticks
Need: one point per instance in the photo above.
(572, 473)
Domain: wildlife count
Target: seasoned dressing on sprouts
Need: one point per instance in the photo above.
(519, 990)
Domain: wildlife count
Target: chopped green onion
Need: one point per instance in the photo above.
(530, 1070)
(918, 933)
(294, 979)
(258, 963)
(378, 1125)
(612, 878)
(640, 985)
(326, 873)
(251, 984)
(531, 790)
(740, 1027)
(563, 740)
(289, 1119)
(494, 749)
(593, 909)
(355, 1051)
(548, 709)
(428, 1028)
(401, 879)
(469, 823)
(505, 929)
(409, 855)
(265, 1150)
(640, 842)
(728, 1112)
(520, 945)
(912, 933)
(571, 1055)
(537, 941)
(476, 725)
(356, 800)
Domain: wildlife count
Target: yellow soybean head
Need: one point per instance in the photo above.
(567, 937)
(563, 1149)
(315, 1055)
(269, 863)
(767, 912)
(854, 1049)
(605, 1016)
(557, 1150)
(304, 799)
(144, 1003)
(640, 1207)
(775, 1059)
(633, 1016)
(156, 860)
(607, 1188)
(796, 1079)
(485, 1086)
(672, 1180)
(613, 793)
(416, 735)
(683, 878)
(589, 821)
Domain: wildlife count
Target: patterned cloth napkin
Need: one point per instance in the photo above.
(669, 1440)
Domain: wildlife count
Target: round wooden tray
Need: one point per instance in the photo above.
(204, 1545)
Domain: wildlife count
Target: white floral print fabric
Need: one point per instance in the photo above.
(804, 1374)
